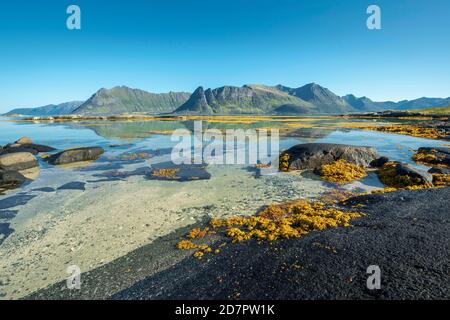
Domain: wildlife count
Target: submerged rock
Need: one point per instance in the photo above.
(18, 161)
(76, 155)
(75, 185)
(180, 173)
(314, 155)
(25, 147)
(10, 179)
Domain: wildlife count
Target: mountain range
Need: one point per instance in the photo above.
(48, 110)
(248, 99)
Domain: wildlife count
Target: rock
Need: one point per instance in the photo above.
(313, 155)
(445, 150)
(11, 179)
(15, 149)
(437, 170)
(24, 140)
(25, 147)
(378, 163)
(404, 169)
(441, 154)
(18, 161)
(76, 155)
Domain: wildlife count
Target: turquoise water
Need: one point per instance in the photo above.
(141, 135)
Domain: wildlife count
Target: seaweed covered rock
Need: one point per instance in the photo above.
(402, 175)
(438, 156)
(76, 155)
(18, 161)
(341, 172)
(10, 179)
(314, 155)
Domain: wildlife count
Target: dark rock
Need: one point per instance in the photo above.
(10, 149)
(7, 214)
(404, 169)
(313, 155)
(378, 163)
(442, 154)
(44, 189)
(18, 161)
(437, 170)
(11, 179)
(5, 231)
(76, 155)
(14, 201)
(38, 147)
(26, 147)
(445, 150)
(76, 185)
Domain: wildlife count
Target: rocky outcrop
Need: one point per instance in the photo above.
(18, 161)
(76, 155)
(314, 155)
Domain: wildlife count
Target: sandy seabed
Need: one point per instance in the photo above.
(93, 227)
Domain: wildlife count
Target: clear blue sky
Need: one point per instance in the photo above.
(180, 44)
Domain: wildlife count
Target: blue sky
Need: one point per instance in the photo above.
(178, 45)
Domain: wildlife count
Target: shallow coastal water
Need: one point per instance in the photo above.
(90, 214)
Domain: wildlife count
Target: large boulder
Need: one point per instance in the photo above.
(76, 155)
(314, 155)
(11, 179)
(18, 161)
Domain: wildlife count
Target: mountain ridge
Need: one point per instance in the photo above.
(247, 99)
(122, 99)
(47, 110)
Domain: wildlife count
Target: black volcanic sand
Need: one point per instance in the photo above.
(405, 233)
